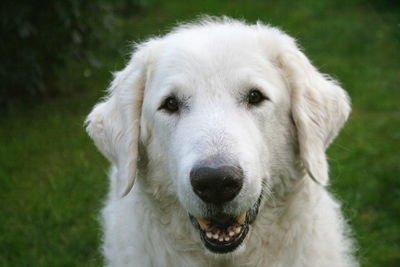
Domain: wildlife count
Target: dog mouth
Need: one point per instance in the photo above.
(223, 233)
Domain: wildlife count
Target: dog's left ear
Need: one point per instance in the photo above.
(320, 107)
(113, 124)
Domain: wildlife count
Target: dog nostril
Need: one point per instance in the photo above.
(216, 185)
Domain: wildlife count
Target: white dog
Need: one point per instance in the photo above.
(224, 128)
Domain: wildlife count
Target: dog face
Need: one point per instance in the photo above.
(218, 115)
(223, 112)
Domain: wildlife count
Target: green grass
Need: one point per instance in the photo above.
(52, 179)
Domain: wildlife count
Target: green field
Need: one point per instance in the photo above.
(53, 180)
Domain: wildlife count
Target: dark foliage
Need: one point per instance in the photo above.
(38, 36)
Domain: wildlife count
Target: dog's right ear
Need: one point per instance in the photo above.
(114, 123)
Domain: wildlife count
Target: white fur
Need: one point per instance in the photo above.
(280, 145)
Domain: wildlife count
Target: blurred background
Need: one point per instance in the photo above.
(56, 62)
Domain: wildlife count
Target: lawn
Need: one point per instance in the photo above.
(53, 180)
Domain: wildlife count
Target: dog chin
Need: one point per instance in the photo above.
(221, 256)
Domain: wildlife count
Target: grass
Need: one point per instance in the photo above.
(52, 179)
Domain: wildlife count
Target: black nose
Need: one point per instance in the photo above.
(216, 185)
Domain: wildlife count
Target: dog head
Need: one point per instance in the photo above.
(223, 111)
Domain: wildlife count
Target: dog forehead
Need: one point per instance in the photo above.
(211, 50)
(219, 60)
(208, 62)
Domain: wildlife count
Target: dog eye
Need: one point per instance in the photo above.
(255, 97)
(170, 104)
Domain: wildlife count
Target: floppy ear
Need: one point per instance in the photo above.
(319, 108)
(114, 123)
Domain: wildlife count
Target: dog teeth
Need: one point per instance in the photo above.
(241, 219)
(238, 229)
(231, 233)
(203, 223)
(222, 235)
